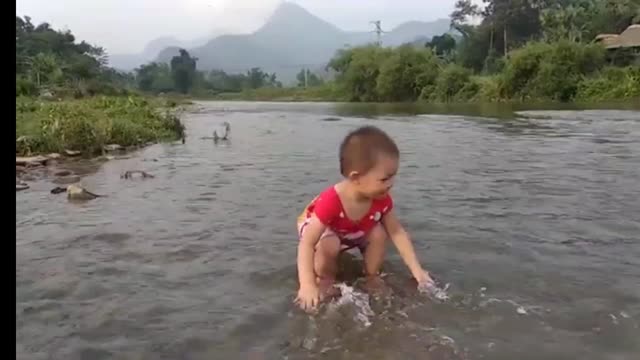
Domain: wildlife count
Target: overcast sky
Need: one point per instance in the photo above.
(123, 26)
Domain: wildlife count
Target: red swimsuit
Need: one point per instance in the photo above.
(329, 210)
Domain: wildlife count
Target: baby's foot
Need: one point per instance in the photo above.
(327, 290)
(374, 285)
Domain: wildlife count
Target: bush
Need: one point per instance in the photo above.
(25, 87)
(550, 71)
(489, 88)
(452, 80)
(405, 73)
(89, 124)
(611, 83)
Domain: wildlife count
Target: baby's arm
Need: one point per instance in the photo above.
(306, 248)
(308, 294)
(403, 243)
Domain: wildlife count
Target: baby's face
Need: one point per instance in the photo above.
(377, 182)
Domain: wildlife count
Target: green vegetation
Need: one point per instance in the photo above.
(565, 65)
(525, 50)
(66, 98)
(89, 124)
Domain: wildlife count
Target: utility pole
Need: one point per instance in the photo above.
(378, 30)
(306, 77)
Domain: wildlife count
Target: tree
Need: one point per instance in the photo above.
(442, 44)
(50, 57)
(311, 79)
(154, 77)
(183, 71)
(464, 9)
(256, 78)
(405, 73)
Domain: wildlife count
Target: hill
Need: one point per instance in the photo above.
(293, 38)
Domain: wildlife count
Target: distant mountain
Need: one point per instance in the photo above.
(293, 38)
(150, 52)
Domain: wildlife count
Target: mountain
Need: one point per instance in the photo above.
(293, 38)
(128, 62)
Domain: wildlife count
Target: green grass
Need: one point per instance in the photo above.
(318, 93)
(90, 123)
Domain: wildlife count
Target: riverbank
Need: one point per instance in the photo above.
(89, 125)
(456, 85)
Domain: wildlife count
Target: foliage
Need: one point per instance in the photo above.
(442, 45)
(47, 59)
(183, 70)
(309, 79)
(451, 81)
(611, 83)
(89, 124)
(324, 92)
(405, 73)
(550, 71)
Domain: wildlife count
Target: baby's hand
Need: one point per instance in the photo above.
(423, 277)
(308, 297)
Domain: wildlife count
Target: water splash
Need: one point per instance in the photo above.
(434, 292)
(360, 300)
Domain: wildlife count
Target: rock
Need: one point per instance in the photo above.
(109, 157)
(75, 192)
(63, 173)
(112, 147)
(21, 186)
(58, 190)
(53, 156)
(31, 160)
(72, 152)
(70, 179)
(20, 169)
(129, 174)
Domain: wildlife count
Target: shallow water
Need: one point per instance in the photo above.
(533, 222)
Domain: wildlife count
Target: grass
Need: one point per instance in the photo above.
(88, 124)
(318, 94)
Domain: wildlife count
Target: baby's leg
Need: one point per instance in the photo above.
(374, 256)
(326, 262)
(374, 252)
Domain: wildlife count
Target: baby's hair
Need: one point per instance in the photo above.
(361, 147)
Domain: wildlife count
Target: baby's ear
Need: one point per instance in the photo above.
(354, 176)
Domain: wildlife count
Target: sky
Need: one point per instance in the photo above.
(126, 26)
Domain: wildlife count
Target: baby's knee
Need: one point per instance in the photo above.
(329, 246)
(378, 234)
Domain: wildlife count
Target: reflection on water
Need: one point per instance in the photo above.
(531, 219)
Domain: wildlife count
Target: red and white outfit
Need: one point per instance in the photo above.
(329, 210)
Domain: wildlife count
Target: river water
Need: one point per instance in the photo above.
(534, 222)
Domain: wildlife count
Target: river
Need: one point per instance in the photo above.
(534, 222)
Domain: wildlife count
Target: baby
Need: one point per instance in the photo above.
(356, 212)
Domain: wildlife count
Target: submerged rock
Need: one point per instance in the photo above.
(62, 173)
(130, 173)
(69, 179)
(72, 152)
(31, 160)
(21, 186)
(112, 147)
(58, 190)
(75, 192)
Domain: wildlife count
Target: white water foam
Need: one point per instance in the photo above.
(360, 300)
(434, 292)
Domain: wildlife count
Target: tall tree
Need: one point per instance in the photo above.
(183, 71)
